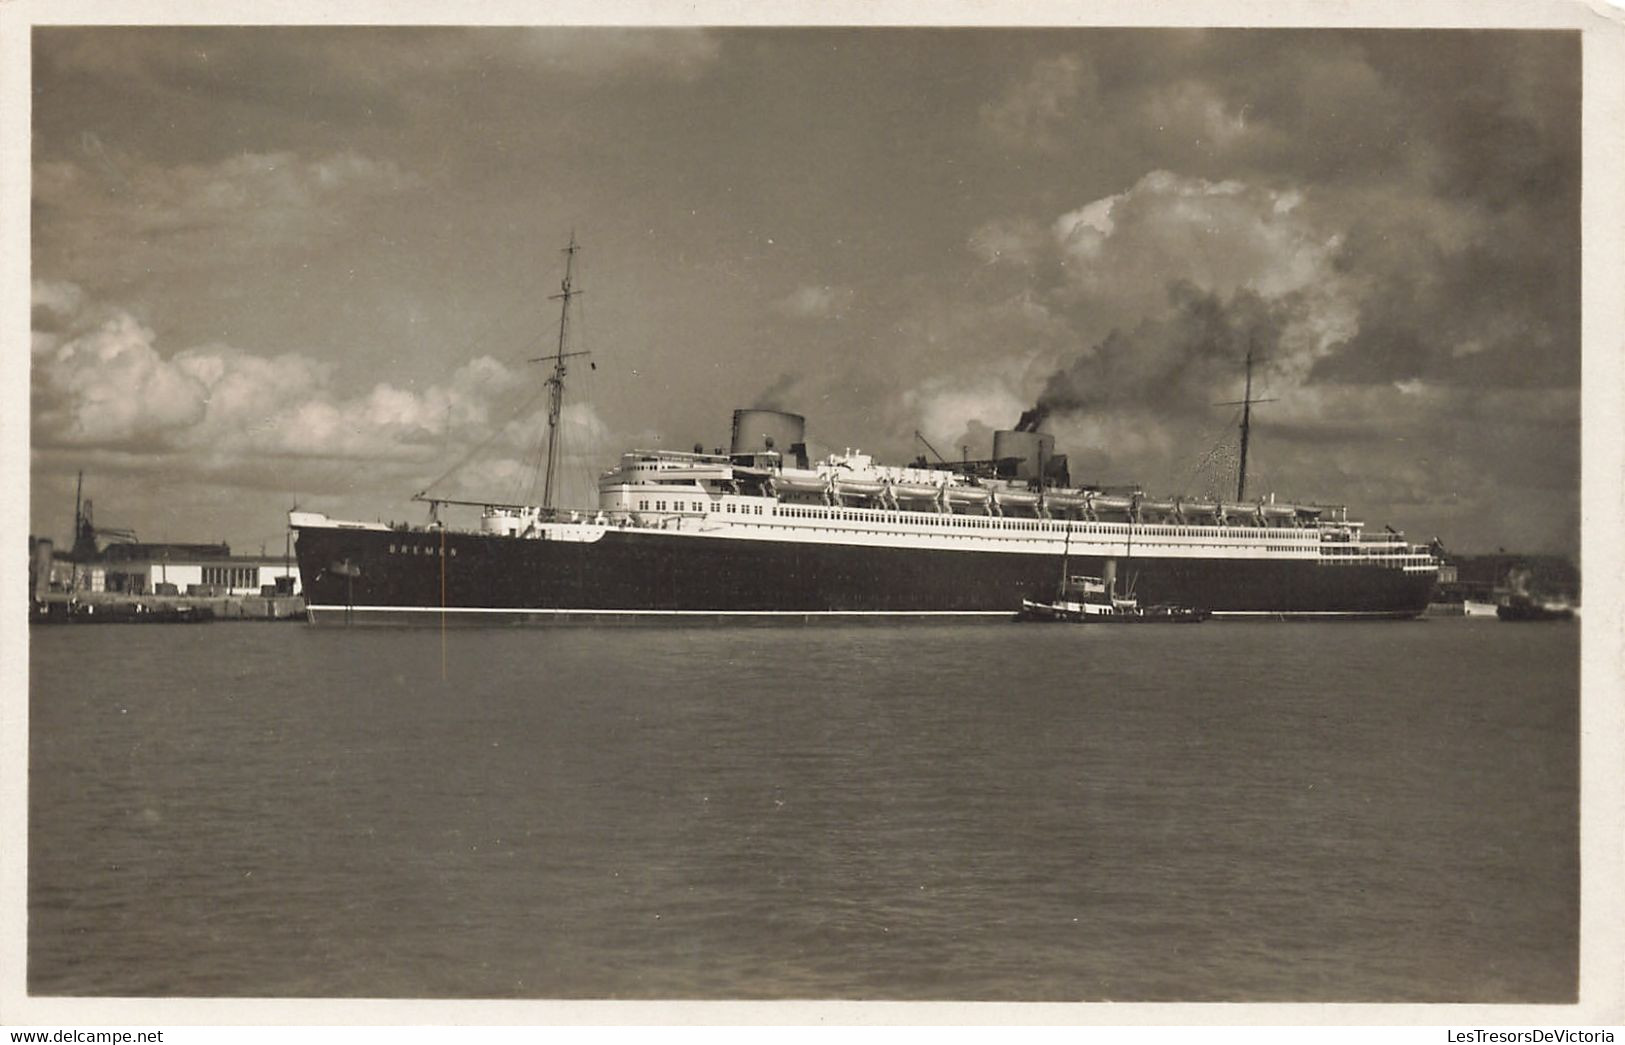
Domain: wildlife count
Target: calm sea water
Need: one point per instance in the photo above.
(1263, 812)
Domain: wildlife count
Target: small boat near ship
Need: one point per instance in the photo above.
(1087, 601)
(1522, 607)
(1094, 600)
(1521, 602)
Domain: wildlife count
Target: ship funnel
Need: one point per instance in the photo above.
(1021, 455)
(758, 430)
(1108, 574)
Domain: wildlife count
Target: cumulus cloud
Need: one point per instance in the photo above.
(214, 407)
(1221, 236)
(55, 301)
(1147, 300)
(110, 387)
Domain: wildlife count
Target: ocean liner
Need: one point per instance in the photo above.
(764, 532)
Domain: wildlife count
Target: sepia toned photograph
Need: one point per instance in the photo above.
(644, 512)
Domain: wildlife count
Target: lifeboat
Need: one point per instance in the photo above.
(1162, 508)
(1189, 508)
(1016, 498)
(1054, 499)
(915, 492)
(1104, 503)
(784, 485)
(1277, 511)
(966, 496)
(1238, 511)
(844, 488)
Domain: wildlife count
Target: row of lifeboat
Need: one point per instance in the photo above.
(1023, 501)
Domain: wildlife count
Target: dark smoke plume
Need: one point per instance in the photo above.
(1032, 420)
(1182, 359)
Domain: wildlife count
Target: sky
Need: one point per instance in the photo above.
(278, 266)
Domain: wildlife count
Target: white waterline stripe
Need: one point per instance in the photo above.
(340, 608)
(1312, 613)
(807, 613)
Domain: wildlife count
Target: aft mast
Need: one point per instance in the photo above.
(1246, 403)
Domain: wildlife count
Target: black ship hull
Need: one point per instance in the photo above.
(376, 576)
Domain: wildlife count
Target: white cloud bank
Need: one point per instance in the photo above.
(103, 383)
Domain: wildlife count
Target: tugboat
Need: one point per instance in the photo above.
(1521, 607)
(1521, 604)
(1094, 600)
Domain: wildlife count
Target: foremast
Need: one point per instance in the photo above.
(555, 380)
(555, 405)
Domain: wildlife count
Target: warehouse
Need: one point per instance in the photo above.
(181, 569)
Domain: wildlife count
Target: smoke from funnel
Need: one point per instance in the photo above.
(1172, 362)
(1032, 419)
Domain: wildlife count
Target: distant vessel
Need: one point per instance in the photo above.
(1521, 604)
(1522, 607)
(1478, 608)
(763, 531)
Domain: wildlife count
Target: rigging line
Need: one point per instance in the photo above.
(1218, 445)
(531, 465)
(577, 450)
(496, 432)
(586, 456)
(389, 451)
(334, 470)
(534, 394)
